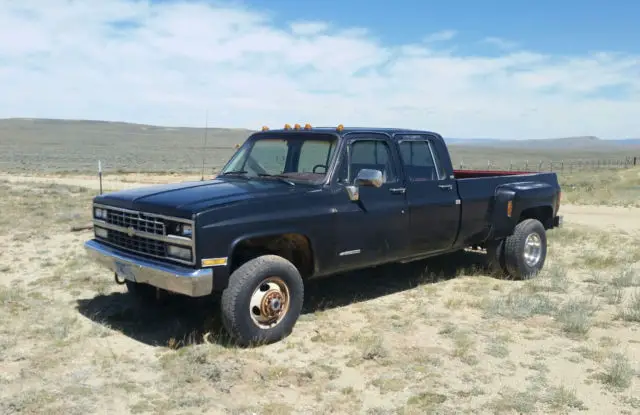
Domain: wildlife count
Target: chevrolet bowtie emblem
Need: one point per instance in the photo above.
(131, 231)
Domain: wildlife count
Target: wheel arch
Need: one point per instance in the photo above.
(295, 246)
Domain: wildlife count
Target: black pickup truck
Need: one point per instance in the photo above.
(300, 202)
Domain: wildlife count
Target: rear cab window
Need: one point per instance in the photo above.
(420, 159)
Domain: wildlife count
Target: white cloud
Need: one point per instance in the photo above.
(168, 63)
(500, 42)
(440, 36)
(308, 28)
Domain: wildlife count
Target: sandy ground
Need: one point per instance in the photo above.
(603, 217)
(438, 336)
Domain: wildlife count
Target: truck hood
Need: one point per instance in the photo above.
(187, 198)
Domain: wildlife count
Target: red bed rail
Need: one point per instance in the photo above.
(462, 174)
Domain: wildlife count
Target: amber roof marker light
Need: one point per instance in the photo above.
(287, 127)
(307, 126)
(265, 128)
(340, 128)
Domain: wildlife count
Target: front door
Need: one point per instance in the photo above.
(432, 197)
(373, 229)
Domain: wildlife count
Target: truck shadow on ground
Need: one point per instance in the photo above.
(181, 321)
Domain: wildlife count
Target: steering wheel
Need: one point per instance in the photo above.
(324, 166)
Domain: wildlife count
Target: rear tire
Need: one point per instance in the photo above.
(525, 251)
(263, 301)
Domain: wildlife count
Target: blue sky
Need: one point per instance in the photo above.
(501, 69)
(557, 27)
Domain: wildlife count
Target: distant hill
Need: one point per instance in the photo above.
(58, 129)
(46, 145)
(96, 129)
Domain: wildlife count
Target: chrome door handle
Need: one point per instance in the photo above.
(397, 190)
(446, 186)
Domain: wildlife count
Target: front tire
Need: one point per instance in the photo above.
(526, 250)
(263, 300)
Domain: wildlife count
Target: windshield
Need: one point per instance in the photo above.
(296, 157)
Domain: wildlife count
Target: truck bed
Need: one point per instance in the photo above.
(477, 188)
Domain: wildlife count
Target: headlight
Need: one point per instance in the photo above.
(100, 213)
(179, 252)
(102, 233)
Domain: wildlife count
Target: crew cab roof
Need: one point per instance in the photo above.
(347, 130)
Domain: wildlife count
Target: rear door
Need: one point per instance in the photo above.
(372, 230)
(432, 196)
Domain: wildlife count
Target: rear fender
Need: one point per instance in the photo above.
(514, 202)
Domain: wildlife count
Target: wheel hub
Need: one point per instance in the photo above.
(532, 249)
(272, 303)
(269, 303)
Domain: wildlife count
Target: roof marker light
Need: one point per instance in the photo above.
(307, 126)
(340, 127)
(296, 127)
(265, 128)
(287, 127)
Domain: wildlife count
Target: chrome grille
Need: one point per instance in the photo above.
(138, 244)
(143, 233)
(138, 221)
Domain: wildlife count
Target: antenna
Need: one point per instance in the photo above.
(204, 142)
(100, 174)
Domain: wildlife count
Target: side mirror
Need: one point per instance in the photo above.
(366, 177)
(369, 177)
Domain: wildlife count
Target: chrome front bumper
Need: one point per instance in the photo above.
(174, 278)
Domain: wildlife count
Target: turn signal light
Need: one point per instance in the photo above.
(509, 208)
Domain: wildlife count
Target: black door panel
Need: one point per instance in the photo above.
(373, 229)
(432, 197)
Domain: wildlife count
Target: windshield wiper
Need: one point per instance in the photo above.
(235, 173)
(279, 177)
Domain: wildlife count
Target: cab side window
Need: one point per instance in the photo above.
(419, 161)
(368, 154)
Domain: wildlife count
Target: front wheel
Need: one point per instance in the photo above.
(263, 300)
(525, 251)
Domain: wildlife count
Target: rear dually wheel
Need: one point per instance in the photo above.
(525, 251)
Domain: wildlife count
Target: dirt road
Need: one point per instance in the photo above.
(603, 217)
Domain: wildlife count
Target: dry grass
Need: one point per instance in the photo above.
(611, 187)
(436, 336)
